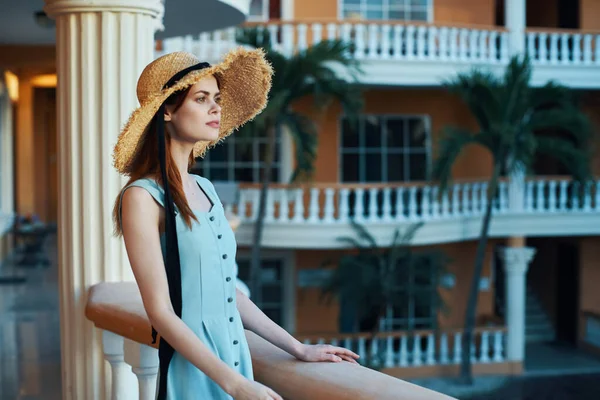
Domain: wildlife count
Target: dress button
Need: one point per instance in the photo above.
(212, 218)
(236, 363)
(235, 342)
(230, 299)
(230, 319)
(224, 256)
(228, 279)
(219, 236)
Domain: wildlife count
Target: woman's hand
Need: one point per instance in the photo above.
(326, 352)
(252, 390)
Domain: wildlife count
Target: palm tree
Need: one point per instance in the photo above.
(514, 120)
(374, 278)
(307, 73)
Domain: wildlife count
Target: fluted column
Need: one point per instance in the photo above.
(102, 47)
(516, 262)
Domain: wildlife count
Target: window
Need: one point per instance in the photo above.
(272, 301)
(404, 10)
(384, 149)
(420, 309)
(259, 10)
(239, 159)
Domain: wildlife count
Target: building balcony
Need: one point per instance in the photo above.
(313, 217)
(397, 53)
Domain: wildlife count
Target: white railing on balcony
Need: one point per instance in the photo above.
(563, 47)
(321, 204)
(420, 348)
(376, 41)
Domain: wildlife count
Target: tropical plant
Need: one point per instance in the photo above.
(314, 73)
(516, 124)
(373, 278)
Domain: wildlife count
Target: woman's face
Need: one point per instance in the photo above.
(199, 117)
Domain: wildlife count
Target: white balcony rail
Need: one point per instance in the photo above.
(421, 348)
(337, 204)
(374, 41)
(563, 47)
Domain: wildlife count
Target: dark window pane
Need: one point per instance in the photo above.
(271, 270)
(219, 153)
(395, 167)
(243, 174)
(243, 150)
(275, 314)
(395, 133)
(397, 14)
(350, 168)
(373, 167)
(417, 167)
(244, 270)
(272, 294)
(219, 174)
(372, 132)
(417, 132)
(349, 134)
(418, 16)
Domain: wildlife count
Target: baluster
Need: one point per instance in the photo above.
(344, 209)
(321, 341)
(564, 49)
(464, 45)
(273, 30)
(299, 205)
(563, 196)
(503, 196)
(504, 47)
(410, 42)
(529, 198)
(597, 196)
(373, 204)
(454, 38)
(443, 43)
(483, 49)
(432, 33)
(577, 49)
(359, 209)
(425, 203)
(435, 204)
(255, 201)
(531, 45)
(554, 48)
(483, 196)
(331, 31)
(457, 348)
(444, 349)
(421, 42)
(400, 216)
(362, 351)
(284, 205)
(484, 348)
(552, 196)
(540, 198)
(373, 32)
(417, 355)
(306, 341)
(575, 196)
(466, 209)
(188, 44)
(403, 356)
(543, 48)
(389, 352)
(317, 33)
(445, 204)
(359, 51)
(398, 32)
(587, 49)
(313, 211)
(241, 205)
(302, 37)
(287, 38)
(385, 42)
(430, 349)
(493, 50)
(473, 352)
(473, 44)
(597, 47)
(270, 210)
(329, 208)
(475, 198)
(335, 342)
(386, 209)
(498, 356)
(587, 197)
(455, 199)
(375, 351)
(412, 204)
(348, 343)
(144, 364)
(123, 386)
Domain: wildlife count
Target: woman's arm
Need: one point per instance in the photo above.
(256, 321)
(142, 240)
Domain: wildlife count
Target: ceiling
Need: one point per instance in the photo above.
(18, 25)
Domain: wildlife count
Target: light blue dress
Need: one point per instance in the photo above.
(207, 256)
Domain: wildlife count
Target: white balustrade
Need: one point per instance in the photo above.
(573, 48)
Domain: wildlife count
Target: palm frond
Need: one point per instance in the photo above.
(568, 119)
(303, 131)
(451, 144)
(363, 233)
(576, 160)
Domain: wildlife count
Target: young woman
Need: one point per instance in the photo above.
(178, 240)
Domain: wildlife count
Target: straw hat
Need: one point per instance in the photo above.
(244, 79)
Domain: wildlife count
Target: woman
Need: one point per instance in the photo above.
(179, 243)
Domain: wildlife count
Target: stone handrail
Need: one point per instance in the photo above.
(117, 308)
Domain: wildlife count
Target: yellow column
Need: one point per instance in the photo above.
(102, 47)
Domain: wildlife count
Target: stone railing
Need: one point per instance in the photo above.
(383, 203)
(116, 309)
(565, 47)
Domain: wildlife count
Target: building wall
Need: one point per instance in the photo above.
(589, 295)
(589, 11)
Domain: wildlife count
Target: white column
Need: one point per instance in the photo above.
(516, 262)
(102, 47)
(514, 15)
(7, 174)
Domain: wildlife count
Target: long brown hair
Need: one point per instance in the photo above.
(145, 165)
